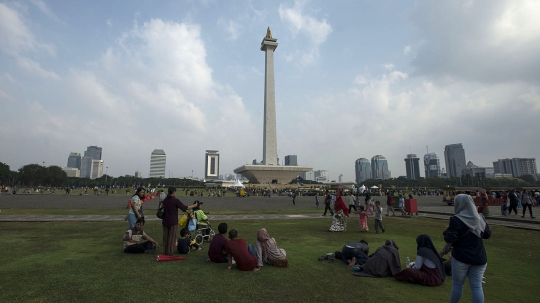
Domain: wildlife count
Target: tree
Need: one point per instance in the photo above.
(529, 179)
(55, 176)
(32, 174)
(5, 173)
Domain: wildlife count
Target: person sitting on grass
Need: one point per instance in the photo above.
(132, 240)
(268, 251)
(383, 262)
(185, 243)
(244, 255)
(428, 268)
(202, 218)
(216, 251)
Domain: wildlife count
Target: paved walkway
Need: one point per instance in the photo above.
(429, 206)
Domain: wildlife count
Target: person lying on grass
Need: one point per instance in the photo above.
(185, 243)
(243, 254)
(132, 240)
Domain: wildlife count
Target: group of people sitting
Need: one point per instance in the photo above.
(464, 247)
(231, 250)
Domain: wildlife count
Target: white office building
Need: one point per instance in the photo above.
(158, 159)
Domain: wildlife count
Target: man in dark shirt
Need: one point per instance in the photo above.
(216, 251)
(327, 201)
(238, 249)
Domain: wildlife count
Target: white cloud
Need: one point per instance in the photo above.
(492, 42)
(231, 28)
(388, 66)
(42, 6)
(300, 23)
(35, 68)
(109, 22)
(16, 39)
(407, 50)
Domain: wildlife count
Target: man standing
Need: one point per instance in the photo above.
(244, 255)
(327, 201)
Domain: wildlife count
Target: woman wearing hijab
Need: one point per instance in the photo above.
(428, 268)
(383, 263)
(268, 251)
(339, 221)
(465, 232)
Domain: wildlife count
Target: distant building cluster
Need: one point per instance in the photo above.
(88, 166)
(455, 162)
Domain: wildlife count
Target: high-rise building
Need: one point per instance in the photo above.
(340, 178)
(97, 169)
(74, 160)
(412, 166)
(93, 152)
(138, 174)
(379, 168)
(91, 168)
(432, 165)
(362, 169)
(516, 166)
(291, 160)
(454, 159)
(158, 160)
(211, 164)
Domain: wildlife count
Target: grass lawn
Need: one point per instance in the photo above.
(84, 262)
(150, 212)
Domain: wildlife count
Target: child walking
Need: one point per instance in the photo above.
(362, 223)
(401, 205)
(378, 217)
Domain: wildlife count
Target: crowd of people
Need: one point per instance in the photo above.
(462, 257)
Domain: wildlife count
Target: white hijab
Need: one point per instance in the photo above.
(465, 210)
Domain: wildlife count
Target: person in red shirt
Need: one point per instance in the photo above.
(244, 255)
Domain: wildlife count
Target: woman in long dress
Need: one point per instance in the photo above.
(339, 220)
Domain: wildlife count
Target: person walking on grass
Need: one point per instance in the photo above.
(327, 201)
(526, 201)
(378, 217)
(390, 205)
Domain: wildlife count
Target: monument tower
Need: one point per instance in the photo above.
(269, 45)
(270, 171)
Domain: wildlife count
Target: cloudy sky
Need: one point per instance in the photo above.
(353, 79)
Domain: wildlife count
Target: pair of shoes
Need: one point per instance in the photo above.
(523, 216)
(533, 218)
(322, 258)
(383, 230)
(324, 215)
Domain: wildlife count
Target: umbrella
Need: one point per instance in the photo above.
(165, 258)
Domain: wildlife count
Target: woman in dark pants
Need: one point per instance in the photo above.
(526, 201)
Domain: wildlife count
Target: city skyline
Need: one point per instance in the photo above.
(184, 76)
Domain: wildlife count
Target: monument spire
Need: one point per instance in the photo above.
(269, 45)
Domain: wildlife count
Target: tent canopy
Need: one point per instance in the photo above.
(237, 183)
(374, 186)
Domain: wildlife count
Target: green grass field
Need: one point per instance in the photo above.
(84, 262)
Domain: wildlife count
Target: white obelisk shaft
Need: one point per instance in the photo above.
(268, 45)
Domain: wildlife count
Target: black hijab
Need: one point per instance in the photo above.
(427, 250)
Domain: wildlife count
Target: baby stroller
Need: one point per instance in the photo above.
(203, 233)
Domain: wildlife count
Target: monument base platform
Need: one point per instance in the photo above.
(271, 174)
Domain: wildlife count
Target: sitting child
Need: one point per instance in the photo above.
(185, 243)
